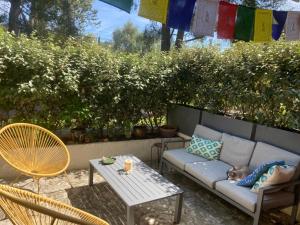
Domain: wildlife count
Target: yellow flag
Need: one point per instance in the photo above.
(156, 10)
(263, 25)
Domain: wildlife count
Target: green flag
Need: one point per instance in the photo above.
(121, 4)
(244, 23)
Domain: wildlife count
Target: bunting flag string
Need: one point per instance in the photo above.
(279, 18)
(293, 26)
(244, 23)
(263, 25)
(154, 10)
(225, 27)
(180, 14)
(204, 21)
(204, 17)
(125, 5)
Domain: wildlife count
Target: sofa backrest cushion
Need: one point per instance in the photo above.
(236, 151)
(265, 153)
(207, 133)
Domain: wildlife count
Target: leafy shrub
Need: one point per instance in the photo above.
(80, 83)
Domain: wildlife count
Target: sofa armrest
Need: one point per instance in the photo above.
(178, 141)
(183, 141)
(275, 188)
(278, 187)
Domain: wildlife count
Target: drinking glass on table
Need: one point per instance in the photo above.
(128, 164)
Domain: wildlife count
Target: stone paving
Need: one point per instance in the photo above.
(200, 206)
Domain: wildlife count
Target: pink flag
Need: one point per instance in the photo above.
(205, 18)
(292, 26)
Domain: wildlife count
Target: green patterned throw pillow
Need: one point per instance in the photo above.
(276, 175)
(205, 148)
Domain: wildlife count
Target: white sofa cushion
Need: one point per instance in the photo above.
(207, 133)
(208, 172)
(265, 153)
(236, 151)
(179, 157)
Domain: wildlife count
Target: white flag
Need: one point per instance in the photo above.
(292, 26)
(205, 18)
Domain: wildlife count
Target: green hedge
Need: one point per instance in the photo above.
(80, 83)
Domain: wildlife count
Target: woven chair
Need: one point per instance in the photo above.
(27, 208)
(33, 150)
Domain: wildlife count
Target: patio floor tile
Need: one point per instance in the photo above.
(200, 206)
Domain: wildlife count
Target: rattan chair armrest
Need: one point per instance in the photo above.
(47, 211)
(24, 200)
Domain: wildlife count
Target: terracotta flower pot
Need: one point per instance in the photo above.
(127, 133)
(139, 131)
(78, 135)
(167, 131)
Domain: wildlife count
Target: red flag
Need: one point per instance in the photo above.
(226, 21)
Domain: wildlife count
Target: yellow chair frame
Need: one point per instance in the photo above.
(33, 150)
(27, 208)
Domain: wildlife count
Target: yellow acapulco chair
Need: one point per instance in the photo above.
(27, 208)
(33, 150)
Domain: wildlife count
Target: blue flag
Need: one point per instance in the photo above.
(180, 14)
(279, 18)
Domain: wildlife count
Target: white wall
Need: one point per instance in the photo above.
(82, 153)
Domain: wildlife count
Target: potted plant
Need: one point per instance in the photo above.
(167, 131)
(78, 134)
(127, 129)
(103, 134)
(139, 131)
(91, 135)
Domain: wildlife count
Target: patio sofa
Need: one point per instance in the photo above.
(237, 151)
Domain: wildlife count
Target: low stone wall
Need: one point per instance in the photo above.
(81, 153)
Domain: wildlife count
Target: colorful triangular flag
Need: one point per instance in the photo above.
(205, 18)
(154, 10)
(121, 4)
(292, 27)
(279, 18)
(244, 23)
(226, 21)
(263, 25)
(180, 14)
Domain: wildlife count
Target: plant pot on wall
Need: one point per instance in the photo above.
(103, 134)
(139, 131)
(127, 132)
(65, 135)
(78, 135)
(167, 131)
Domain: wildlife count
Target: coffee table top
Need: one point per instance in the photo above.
(141, 185)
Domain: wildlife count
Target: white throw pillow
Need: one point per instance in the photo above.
(275, 175)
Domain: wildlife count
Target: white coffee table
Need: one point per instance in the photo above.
(141, 185)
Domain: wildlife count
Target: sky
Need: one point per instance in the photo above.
(112, 18)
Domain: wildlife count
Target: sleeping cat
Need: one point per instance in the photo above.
(237, 173)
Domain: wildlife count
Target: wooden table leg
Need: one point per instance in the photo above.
(130, 215)
(91, 175)
(178, 208)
